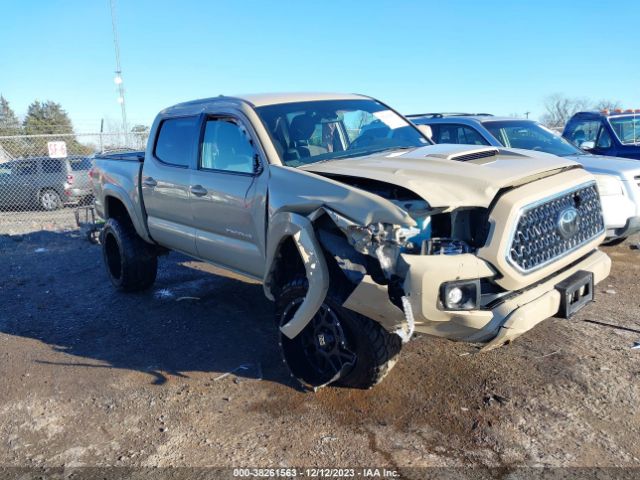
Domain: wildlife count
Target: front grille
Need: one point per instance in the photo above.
(547, 230)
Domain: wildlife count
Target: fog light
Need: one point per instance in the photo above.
(454, 296)
(463, 295)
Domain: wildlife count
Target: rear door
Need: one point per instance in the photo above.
(165, 182)
(228, 195)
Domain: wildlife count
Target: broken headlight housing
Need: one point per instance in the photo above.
(382, 241)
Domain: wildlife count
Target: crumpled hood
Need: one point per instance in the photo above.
(434, 174)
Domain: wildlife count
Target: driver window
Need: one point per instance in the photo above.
(584, 131)
(226, 146)
(604, 139)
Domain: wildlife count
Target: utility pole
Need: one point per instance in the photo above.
(118, 78)
(527, 114)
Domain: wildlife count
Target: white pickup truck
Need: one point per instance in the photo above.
(360, 229)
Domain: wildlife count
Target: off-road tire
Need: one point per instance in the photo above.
(376, 350)
(131, 263)
(49, 200)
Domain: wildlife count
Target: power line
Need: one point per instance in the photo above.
(118, 78)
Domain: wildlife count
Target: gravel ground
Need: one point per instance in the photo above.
(20, 222)
(189, 374)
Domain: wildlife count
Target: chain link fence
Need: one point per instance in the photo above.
(44, 177)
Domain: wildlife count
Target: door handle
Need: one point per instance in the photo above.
(149, 182)
(198, 190)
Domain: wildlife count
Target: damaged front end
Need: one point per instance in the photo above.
(369, 264)
(372, 251)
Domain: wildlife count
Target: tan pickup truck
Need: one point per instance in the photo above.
(360, 229)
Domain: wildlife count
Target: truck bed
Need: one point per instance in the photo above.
(119, 174)
(133, 156)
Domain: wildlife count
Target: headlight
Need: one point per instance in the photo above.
(609, 185)
(460, 295)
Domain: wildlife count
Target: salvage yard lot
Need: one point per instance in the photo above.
(189, 374)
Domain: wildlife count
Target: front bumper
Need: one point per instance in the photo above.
(516, 313)
(619, 213)
(632, 226)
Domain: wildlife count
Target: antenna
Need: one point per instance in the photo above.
(118, 78)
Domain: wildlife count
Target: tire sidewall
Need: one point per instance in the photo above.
(58, 202)
(353, 325)
(113, 228)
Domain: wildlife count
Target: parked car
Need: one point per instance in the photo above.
(618, 179)
(616, 134)
(44, 182)
(361, 235)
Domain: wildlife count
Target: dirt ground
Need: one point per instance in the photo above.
(189, 374)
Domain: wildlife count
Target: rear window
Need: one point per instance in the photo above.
(175, 140)
(51, 165)
(78, 164)
(25, 168)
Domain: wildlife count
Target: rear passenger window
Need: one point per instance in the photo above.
(51, 165)
(459, 134)
(175, 140)
(80, 164)
(25, 168)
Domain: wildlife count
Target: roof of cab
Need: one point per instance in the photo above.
(466, 119)
(613, 113)
(262, 99)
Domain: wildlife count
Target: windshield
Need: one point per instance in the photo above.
(627, 128)
(309, 132)
(530, 136)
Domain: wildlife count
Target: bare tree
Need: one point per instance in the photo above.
(607, 104)
(559, 108)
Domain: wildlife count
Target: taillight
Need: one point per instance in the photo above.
(70, 179)
(90, 172)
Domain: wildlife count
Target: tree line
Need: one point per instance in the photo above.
(48, 118)
(42, 118)
(560, 108)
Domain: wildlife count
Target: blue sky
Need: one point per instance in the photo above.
(502, 57)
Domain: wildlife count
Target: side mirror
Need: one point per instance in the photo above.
(426, 131)
(588, 145)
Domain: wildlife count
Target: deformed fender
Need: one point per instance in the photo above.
(285, 225)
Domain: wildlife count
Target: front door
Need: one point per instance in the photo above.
(228, 197)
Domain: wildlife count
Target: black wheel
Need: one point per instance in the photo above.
(338, 346)
(132, 264)
(50, 200)
(614, 242)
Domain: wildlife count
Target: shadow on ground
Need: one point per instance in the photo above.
(55, 290)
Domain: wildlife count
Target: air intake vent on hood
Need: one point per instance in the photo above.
(475, 155)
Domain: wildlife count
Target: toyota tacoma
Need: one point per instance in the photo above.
(359, 228)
